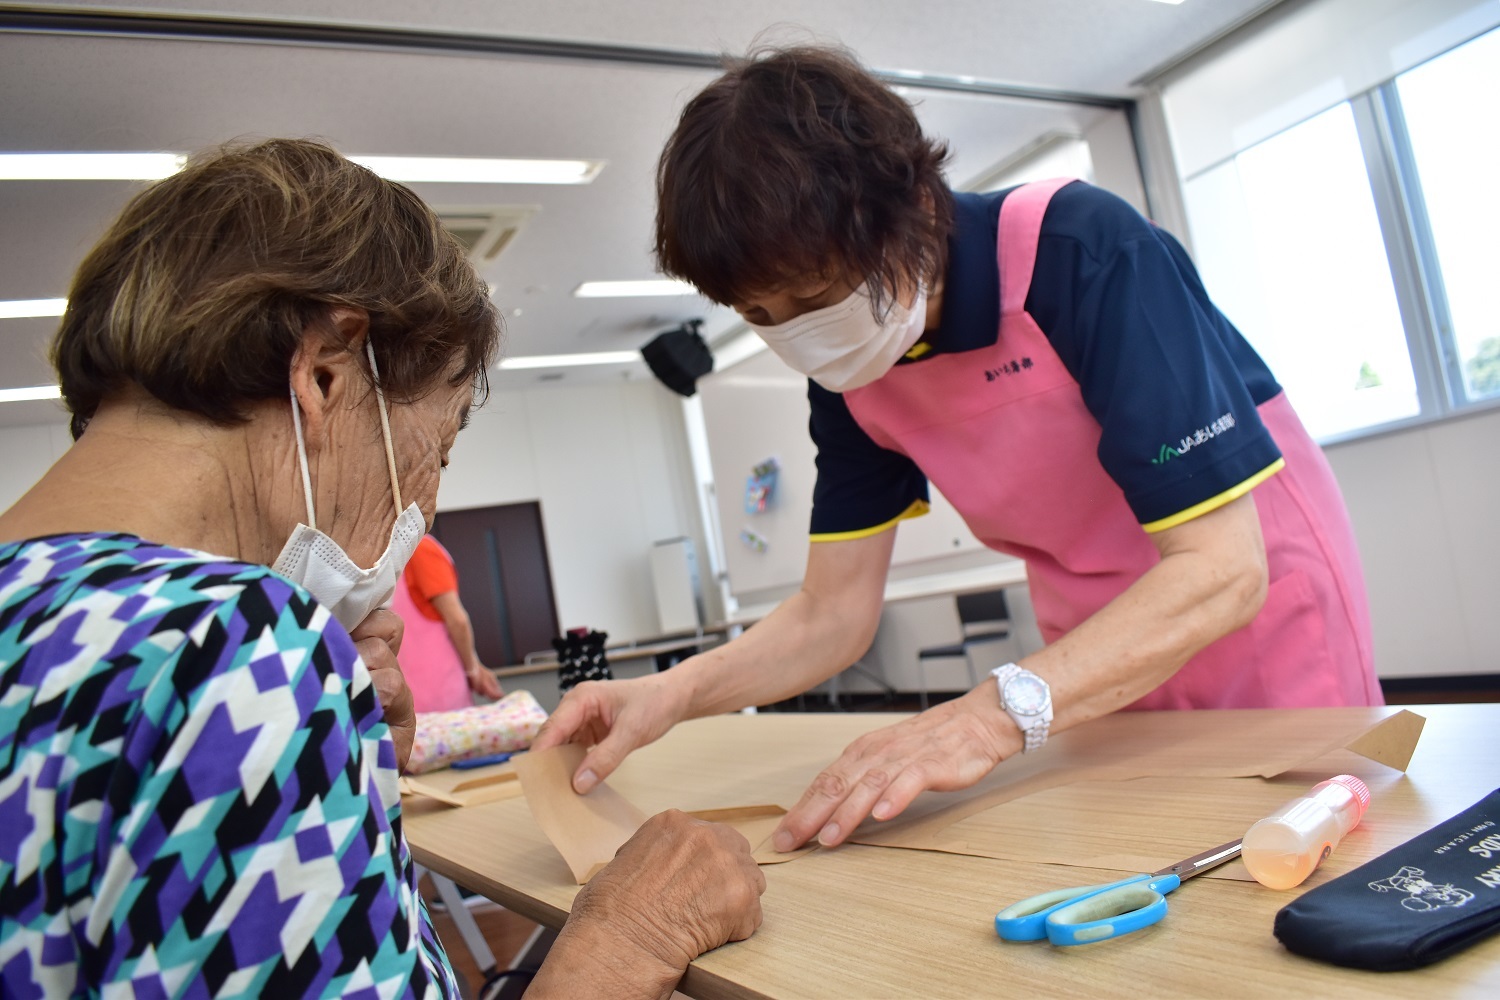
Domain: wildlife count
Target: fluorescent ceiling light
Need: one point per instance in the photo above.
(1172, 2)
(89, 166)
(629, 289)
(27, 308)
(480, 170)
(30, 392)
(415, 169)
(569, 360)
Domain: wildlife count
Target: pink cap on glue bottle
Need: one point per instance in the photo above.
(1281, 850)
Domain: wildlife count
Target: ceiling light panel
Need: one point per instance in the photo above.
(30, 392)
(480, 170)
(632, 289)
(28, 308)
(89, 166)
(571, 360)
(408, 169)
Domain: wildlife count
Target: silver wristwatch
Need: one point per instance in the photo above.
(1027, 700)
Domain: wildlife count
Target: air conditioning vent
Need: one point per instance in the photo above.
(486, 230)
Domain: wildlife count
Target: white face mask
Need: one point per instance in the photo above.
(843, 346)
(321, 565)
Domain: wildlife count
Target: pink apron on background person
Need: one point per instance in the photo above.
(1015, 450)
(433, 670)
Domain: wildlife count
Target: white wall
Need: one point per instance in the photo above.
(609, 465)
(1426, 507)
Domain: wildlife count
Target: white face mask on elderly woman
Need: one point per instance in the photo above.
(843, 346)
(320, 564)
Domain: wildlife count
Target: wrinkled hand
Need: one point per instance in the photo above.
(378, 639)
(482, 682)
(675, 890)
(613, 717)
(944, 748)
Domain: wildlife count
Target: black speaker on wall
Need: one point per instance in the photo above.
(679, 357)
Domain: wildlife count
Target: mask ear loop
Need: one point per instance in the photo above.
(312, 518)
(385, 425)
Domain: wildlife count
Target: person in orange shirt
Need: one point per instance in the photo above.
(437, 653)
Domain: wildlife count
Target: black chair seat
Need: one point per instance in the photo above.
(962, 648)
(987, 614)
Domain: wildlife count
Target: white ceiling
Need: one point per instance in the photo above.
(100, 93)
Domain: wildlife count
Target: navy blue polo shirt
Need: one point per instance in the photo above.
(1122, 305)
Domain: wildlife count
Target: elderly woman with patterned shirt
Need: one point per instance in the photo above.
(202, 718)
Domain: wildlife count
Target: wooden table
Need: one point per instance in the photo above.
(871, 922)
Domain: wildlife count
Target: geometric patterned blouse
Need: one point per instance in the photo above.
(197, 786)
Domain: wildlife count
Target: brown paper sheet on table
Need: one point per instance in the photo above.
(757, 824)
(587, 830)
(1015, 812)
(465, 787)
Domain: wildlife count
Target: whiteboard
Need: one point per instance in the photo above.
(756, 410)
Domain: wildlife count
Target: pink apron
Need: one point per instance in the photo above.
(431, 664)
(1017, 456)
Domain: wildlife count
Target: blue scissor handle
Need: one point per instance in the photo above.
(1087, 912)
(1129, 906)
(1027, 920)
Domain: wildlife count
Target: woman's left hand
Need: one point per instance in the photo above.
(378, 639)
(944, 748)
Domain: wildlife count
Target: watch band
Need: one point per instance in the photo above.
(1031, 713)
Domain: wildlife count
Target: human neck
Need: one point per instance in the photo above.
(170, 477)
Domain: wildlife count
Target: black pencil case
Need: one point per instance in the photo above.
(1434, 895)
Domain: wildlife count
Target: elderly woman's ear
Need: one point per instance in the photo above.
(326, 370)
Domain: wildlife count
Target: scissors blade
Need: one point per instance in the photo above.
(1199, 863)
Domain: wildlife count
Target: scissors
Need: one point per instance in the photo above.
(1088, 913)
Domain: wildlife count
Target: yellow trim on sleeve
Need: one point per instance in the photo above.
(1214, 503)
(917, 509)
(919, 349)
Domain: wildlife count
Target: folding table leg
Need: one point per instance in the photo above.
(468, 928)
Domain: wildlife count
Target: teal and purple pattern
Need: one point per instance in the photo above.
(197, 787)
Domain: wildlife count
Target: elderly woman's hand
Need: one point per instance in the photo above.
(378, 639)
(676, 889)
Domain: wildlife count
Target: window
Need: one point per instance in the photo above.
(1289, 244)
(1451, 108)
(1357, 249)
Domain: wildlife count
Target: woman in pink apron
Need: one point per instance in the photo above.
(437, 647)
(1049, 360)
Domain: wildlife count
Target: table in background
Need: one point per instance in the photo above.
(882, 922)
(1006, 573)
(625, 661)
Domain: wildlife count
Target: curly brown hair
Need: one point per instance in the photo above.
(798, 163)
(201, 290)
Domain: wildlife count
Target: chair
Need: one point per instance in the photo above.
(982, 617)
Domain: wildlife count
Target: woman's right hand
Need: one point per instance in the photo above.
(675, 890)
(614, 718)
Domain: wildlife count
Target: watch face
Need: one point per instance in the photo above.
(1026, 694)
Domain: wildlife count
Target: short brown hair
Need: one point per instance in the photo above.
(201, 290)
(797, 162)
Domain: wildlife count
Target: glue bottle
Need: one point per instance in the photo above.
(1283, 849)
